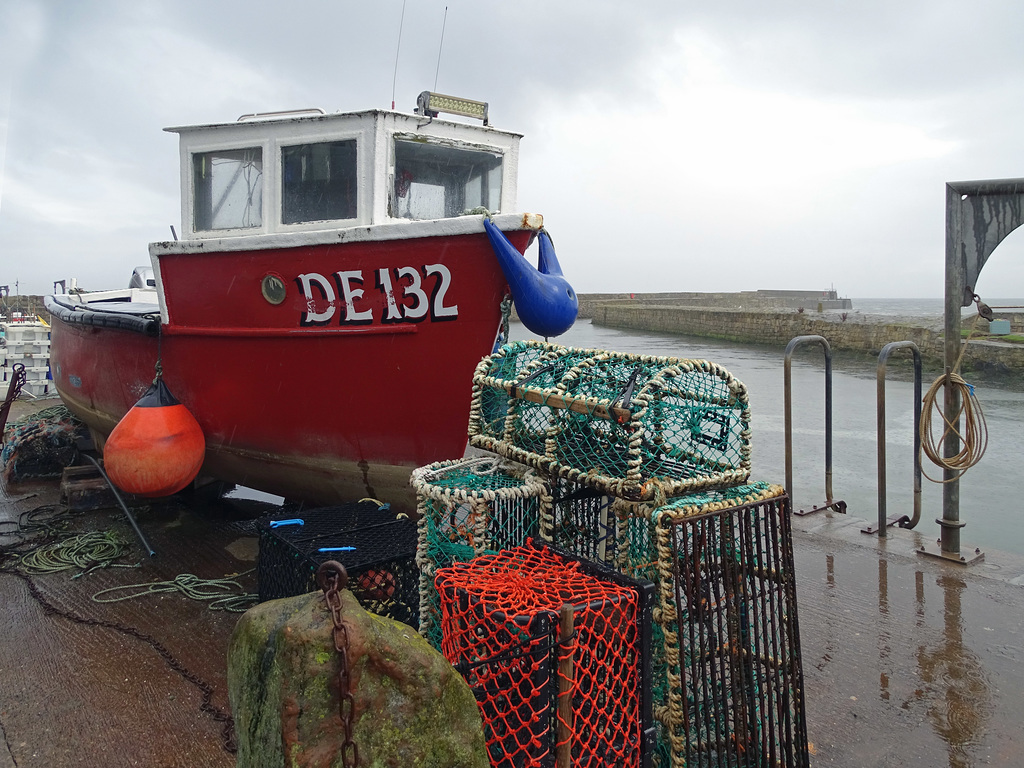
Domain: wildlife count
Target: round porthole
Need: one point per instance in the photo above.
(273, 288)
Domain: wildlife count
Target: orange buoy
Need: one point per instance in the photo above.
(157, 448)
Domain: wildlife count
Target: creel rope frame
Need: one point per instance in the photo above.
(631, 485)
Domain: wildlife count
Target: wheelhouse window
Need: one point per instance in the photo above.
(318, 182)
(228, 187)
(434, 181)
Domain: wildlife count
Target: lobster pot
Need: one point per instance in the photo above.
(542, 687)
(729, 628)
(377, 550)
(722, 562)
(630, 426)
(582, 521)
(471, 507)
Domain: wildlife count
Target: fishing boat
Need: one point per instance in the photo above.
(337, 278)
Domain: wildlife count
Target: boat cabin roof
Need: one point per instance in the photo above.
(308, 171)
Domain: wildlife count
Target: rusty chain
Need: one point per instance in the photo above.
(332, 578)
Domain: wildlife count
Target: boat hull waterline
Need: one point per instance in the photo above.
(322, 373)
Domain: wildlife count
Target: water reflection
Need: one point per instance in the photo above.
(831, 614)
(957, 687)
(884, 632)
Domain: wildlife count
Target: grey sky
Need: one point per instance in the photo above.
(670, 146)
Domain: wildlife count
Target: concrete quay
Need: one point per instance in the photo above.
(908, 661)
(761, 299)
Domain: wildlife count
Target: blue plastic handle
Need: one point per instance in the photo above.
(279, 523)
(336, 549)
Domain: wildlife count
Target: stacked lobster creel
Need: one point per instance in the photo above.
(472, 507)
(647, 461)
(634, 427)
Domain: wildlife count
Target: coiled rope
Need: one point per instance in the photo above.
(86, 551)
(974, 437)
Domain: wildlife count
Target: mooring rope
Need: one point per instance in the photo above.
(973, 439)
(217, 591)
(44, 519)
(86, 551)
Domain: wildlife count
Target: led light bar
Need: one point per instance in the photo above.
(430, 104)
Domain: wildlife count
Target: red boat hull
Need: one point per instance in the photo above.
(320, 397)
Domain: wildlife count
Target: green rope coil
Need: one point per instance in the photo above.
(220, 593)
(86, 552)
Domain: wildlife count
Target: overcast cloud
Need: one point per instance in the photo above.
(714, 147)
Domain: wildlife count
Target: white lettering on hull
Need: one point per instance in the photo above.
(311, 316)
(404, 290)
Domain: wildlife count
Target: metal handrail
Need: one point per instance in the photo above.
(830, 503)
(903, 521)
(282, 113)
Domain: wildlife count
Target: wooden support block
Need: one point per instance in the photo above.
(83, 489)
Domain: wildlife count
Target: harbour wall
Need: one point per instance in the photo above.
(751, 300)
(861, 333)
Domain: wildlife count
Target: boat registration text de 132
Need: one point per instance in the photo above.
(410, 295)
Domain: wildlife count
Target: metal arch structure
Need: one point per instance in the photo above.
(979, 216)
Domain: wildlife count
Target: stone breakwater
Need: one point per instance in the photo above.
(862, 333)
(752, 300)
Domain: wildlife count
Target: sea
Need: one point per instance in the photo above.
(991, 492)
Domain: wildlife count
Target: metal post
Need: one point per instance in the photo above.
(979, 216)
(955, 283)
(838, 506)
(124, 507)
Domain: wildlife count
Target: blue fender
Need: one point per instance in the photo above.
(544, 300)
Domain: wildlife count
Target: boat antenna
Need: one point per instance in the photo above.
(394, 80)
(440, 46)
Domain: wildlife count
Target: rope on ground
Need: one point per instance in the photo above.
(33, 528)
(86, 551)
(217, 591)
(44, 519)
(973, 439)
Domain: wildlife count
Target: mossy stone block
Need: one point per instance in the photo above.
(411, 709)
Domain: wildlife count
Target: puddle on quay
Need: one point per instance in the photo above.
(962, 697)
(908, 637)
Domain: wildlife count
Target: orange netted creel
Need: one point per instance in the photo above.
(500, 618)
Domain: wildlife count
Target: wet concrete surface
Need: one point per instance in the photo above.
(908, 661)
(101, 693)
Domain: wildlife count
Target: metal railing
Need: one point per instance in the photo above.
(884, 520)
(830, 503)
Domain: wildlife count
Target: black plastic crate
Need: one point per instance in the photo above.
(377, 550)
